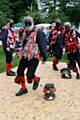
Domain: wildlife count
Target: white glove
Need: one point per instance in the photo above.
(64, 50)
(8, 49)
(11, 46)
(19, 55)
(59, 32)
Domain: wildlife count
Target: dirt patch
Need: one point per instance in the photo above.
(32, 106)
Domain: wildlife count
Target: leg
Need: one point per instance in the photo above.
(32, 66)
(72, 64)
(20, 79)
(78, 58)
(8, 63)
(55, 60)
(57, 57)
(22, 66)
(70, 60)
(50, 51)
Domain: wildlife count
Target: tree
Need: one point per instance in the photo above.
(48, 4)
(20, 6)
(63, 4)
(5, 11)
(70, 9)
(2, 19)
(74, 14)
(36, 16)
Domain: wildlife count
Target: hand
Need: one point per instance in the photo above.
(19, 55)
(43, 62)
(11, 46)
(8, 49)
(59, 32)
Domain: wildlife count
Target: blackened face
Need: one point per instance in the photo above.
(11, 24)
(28, 23)
(68, 28)
(58, 24)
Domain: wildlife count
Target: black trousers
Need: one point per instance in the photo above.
(31, 66)
(8, 56)
(73, 58)
(57, 51)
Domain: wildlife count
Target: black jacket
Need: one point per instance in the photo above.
(4, 37)
(40, 39)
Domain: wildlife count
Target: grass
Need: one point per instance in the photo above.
(3, 62)
(64, 58)
(15, 60)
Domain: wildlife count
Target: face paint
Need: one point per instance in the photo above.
(29, 23)
(58, 24)
(11, 25)
(29, 26)
(67, 28)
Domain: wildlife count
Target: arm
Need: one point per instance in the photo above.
(4, 37)
(42, 44)
(50, 35)
(78, 34)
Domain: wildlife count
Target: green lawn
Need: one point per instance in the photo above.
(15, 60)
(2, 61)
(64, 57)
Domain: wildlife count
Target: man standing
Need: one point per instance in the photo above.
(8, 41)
(33, 47)
(56, 42)
(72, 48)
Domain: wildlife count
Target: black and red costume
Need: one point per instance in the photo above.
(33, 47)
(56, 43)
(73, 50)
(9, 41)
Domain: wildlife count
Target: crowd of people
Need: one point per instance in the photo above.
(65, 37)
(30, 46)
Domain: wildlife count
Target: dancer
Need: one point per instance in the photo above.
(33, 47)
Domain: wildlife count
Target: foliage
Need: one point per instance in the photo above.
(2, 19)
(5, 11)
(20, 6)
(74, 13)
(35, 14)
(52, 16)
(67, 10)
(50, 9)
(63, 17)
